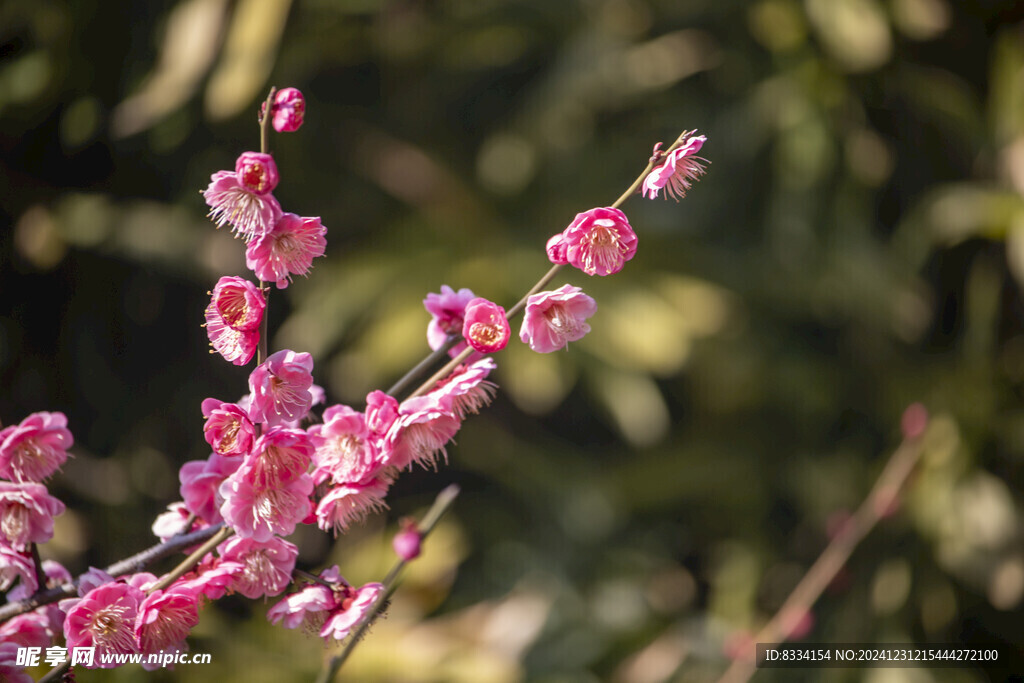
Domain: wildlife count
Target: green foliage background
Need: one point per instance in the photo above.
(631, 506)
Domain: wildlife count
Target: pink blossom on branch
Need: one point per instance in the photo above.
(351, 502)
(345, 451)
(289, 110)
(598, 242)
(287, 249)
(165, 618)
(679, 170)
(267, 566)
(35, 448)
(104, 618)
(280, 388)
(259, 510)
(552, 319)
(26, 514)
(14, 565)
(228, 429)
(485, 326)
(354, 606)
(243, 198)
(447, 311)
(233, 317)
(309, 607)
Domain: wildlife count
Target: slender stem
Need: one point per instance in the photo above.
(54, 675)
(878, 504)
(192, 560)
(421, 367)
(37, 563)
(266, 115)
(426, 525)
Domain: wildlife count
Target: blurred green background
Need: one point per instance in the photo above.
(634, 505)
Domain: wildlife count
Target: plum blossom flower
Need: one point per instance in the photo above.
(424, 425)
(679, 170)
(288, 110)
(466, 390)
(228, 429)
(552, 319)
(165, 618)
(447, 311)
(15, 565)
(243, 198)
(200, 484)
(351, 502)
(35, 448)
(171, 522)
(345, 451)
(286, 249)
(28, 630)
(233, 317)
(258, 511)
(308, 608)
(381, 412)
(10, 670)
(212, 578)
(280, 387)
(104, 618)
(354, 606)
(267, 565)
(598, 242)
(485, 327)
(26, 514)
(282, 454)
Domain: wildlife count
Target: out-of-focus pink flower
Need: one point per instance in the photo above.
(94, 578)
(485, 327)
(679, 170)
(308, 608)
(233, 317)
(212, 578)
(227, 429)
(356, 604)
(447, 311)
(257, 172)
(260, 510)
(287, 249)
(10, 670)
(169, 524)
(105, 619)
(553, 319)
(200, 484)
(55, 573)
(280, 387)
(599, 241)
(406, 542)
(28, 630)
(345, 452)
(165, 618)
(35, 448)
(15, 565)
(267, 565)
(26, 514)
(288, 110)
(425, 424)
(348, 503)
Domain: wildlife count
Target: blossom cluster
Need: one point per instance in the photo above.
(274, 463)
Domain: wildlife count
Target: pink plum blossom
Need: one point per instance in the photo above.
(165, 618)
(170, 523)
(280, 387)
(425, 424)
(345, 451)
(381, 412)
(406, 542)
(556, 249)
(233, 318)
(55, 573)
(93, 578)
(679, 170)
(288, 110)
(10, 670)
(212, 578)
(287, 249)
(258, 511)
(309, 607)
(31, 629)
(228, 429)
(26, 514)
(552, 319)
(348, 503)
(267, 565)
(599, 241)
(15, 565)
(105, 619)
(485, 327)
(243, 197)
(467, 390)
(200, 484)
(35, 448)
(447, 311)
(282, 454)
(356, 604)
